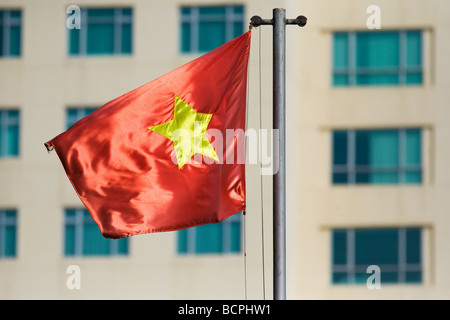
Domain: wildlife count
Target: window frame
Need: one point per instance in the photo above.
(81, 219)
(226, 225)
(118, 20)
(7, 120)
(401, 267)
(352, 71)
(7, 22)
(194, 19)
(80, 112)
(351, 169)
(5, 222)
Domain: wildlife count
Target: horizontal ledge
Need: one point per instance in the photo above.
(383, 28)
(367, 225)
(427, 126)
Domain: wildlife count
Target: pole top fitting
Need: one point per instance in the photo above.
(301, 21)
(256, 21)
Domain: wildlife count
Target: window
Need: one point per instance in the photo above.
(377, 58)
(396, 251)
(223, 237)
(377, 156)
(102, 31)
(8, 233)
(9, 133)
(207, 27)
(75, 114)
(83, 237)
(10, 33)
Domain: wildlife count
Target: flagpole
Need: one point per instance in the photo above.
(279, 22)
(279, 177)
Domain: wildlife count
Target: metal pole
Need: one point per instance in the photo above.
(279, 178)
(279, 22)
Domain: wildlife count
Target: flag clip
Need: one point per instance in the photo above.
(49, 146)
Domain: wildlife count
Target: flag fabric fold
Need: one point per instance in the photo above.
(158, 158)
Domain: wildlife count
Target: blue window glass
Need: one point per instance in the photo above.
(414, 58)
(9, 133)
(74, 42)
(8, 233)
(10, 33)
(340, 246)
(396, 251)
(413, 155)
(205, 28)
(413, 237)
(74, 114)
(377, 156)
(216, 238)
(340, 59)
(210, 35)
(376, 246)
(208, 238)
(102, 32)
(83, 237)
(377, 58)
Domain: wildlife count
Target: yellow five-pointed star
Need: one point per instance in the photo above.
(187, 131)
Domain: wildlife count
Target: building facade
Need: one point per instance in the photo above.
(367, 182)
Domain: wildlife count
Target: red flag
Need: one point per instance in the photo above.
(157, 158)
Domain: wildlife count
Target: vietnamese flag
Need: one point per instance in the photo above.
(157, 158)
